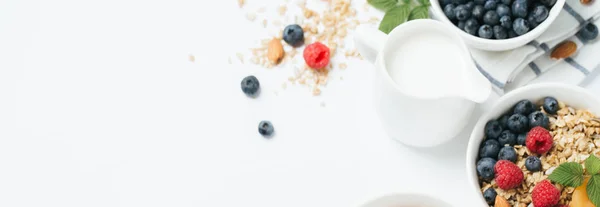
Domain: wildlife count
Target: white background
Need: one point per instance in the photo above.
(100, 106)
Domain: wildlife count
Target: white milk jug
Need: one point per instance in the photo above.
(426, 84)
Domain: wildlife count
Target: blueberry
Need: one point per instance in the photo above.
(503, 121)
(485, 168)
(540, 13)
(532, 21)
(461, 25)
(490, 195)
(459, 1)
(492, 130)
(265, 128)
(533, 163)
(490, 149)
(503, 10)
(521, 139)
(490, 4)
(548, 3)
(524, 107)
(512, 33)
(293, 35)
(500, 32)
(550, 105)
(519, 9)
(250, 86)
(507, 137)
(479, 2)
(588, 32)
(537, 118)
(461, 12)
(508, 153)
(470, 5)
(449, 11)
(491, 18)
(478, 12)
(445, 2)
(506, 22)
(506, 2)
(517, 123)
(471, 26)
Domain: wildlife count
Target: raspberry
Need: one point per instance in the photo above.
(539, 140)
(316, 55)
(544, 194)
(508, 175)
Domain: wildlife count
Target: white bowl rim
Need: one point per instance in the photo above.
(552, 14)
(473, 147)
(426, 198)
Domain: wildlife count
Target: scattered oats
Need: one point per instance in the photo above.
(282, 10)
(251, 16)
(343, 66)
(240, 57)
(262, 10)
(316, 91)
(241, 3)
(264, 23)
(192, 58)
(284, 85)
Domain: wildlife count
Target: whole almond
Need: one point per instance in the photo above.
(275, 51)
(585, 1)
(501, 202)
(564, 50)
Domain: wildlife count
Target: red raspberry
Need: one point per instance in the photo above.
(316, 55)
(508, 175)
(538, 140)
(545, 194)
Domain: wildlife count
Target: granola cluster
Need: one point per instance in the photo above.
(575, 133)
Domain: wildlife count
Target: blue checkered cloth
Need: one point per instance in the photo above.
(531, 63)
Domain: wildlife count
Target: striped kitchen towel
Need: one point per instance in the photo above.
(531, 63)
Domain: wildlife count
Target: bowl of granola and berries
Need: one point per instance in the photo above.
(538, 146)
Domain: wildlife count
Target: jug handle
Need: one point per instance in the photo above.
(369, 41)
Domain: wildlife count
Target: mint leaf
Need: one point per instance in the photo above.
(420, 12)
(593, 189)
(394, 17)
(568, 174)
(592, 165)
(383, 5)
(406, 2)
(424, 2)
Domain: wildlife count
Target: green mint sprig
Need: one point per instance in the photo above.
(572, 174)
(400, 11)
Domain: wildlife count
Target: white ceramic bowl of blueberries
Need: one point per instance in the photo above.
(498, 25)
(507, 123)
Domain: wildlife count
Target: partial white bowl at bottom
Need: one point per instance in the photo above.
(406, 200)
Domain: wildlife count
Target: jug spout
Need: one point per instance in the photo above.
(369, 41)
(478, 87)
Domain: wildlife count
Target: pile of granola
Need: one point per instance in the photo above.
(575, 133)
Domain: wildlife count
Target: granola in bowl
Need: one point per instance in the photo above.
(538, 151)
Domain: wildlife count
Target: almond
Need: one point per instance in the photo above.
(501, 202)
(275, 51)
(564, 50)
(586, 2)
